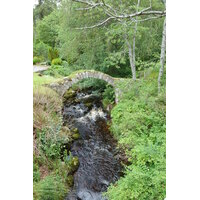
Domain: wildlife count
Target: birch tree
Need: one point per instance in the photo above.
(163, 52)
(132, 48)
(125, 17)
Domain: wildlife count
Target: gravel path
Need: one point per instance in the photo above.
(37, 68)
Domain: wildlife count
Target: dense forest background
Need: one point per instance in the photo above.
(59, 33)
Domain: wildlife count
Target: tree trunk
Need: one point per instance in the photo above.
(162, 55)
(132, 60)
(132, 49)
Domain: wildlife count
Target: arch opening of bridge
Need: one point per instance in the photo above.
(63, 85)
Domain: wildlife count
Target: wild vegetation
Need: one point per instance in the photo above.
(124, 39)
(138, 123)
(51, 166)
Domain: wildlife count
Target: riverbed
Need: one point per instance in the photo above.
(96, 148)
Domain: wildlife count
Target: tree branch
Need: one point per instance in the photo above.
(150, 18)
(112, 13)
(87, 8)
(96, 25)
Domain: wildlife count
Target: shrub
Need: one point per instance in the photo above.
(52, 53)
(95, 84)
(50, 188)
(138, 122)
(65, 63)
(58, 70)
(108, 96)
(56, 61)
(36, 60)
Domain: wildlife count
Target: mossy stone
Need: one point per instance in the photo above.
(75, 130)
(88, 105)
(69, 94)
(76, 136)
(74, 164)
(70, 180)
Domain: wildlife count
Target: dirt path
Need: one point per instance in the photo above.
(37, 68)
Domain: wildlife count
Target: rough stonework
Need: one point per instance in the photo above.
(63, 85)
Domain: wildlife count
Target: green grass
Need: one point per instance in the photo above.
(53, 182)
(41, 80)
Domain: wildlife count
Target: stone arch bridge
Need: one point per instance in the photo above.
(61, 86)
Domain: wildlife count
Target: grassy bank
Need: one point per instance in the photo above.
(52, 167)
(138, 123)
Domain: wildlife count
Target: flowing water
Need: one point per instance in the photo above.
(96, 148)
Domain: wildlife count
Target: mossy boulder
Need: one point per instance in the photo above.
(74, 164)
(70, 180)
(74, 130)
(69, 95)
(89, 105)
(76, 136)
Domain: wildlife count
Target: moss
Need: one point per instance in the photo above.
(75, 130)
(75, 163)
(70, 180)
(73, 166)
(89, 105)
(69, 95)
(76, 136)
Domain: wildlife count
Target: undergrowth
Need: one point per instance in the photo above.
(52, 168)
(138, 123)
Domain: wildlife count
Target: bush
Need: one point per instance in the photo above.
(36, 60)
(95, 84)
(52, 54)
(65, 63)
(56, 61)
(108, 96)
(58, 70)
(138, 122)
(50, 188)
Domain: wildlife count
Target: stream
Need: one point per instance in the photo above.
(96, 149)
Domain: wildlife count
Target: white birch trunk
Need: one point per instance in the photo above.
(162, 55)
(132, 60)
(132, 49)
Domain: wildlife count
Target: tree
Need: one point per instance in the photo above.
(43, 8)
(132, 48)
(132, 13)
(162, 54)
(47, 29)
